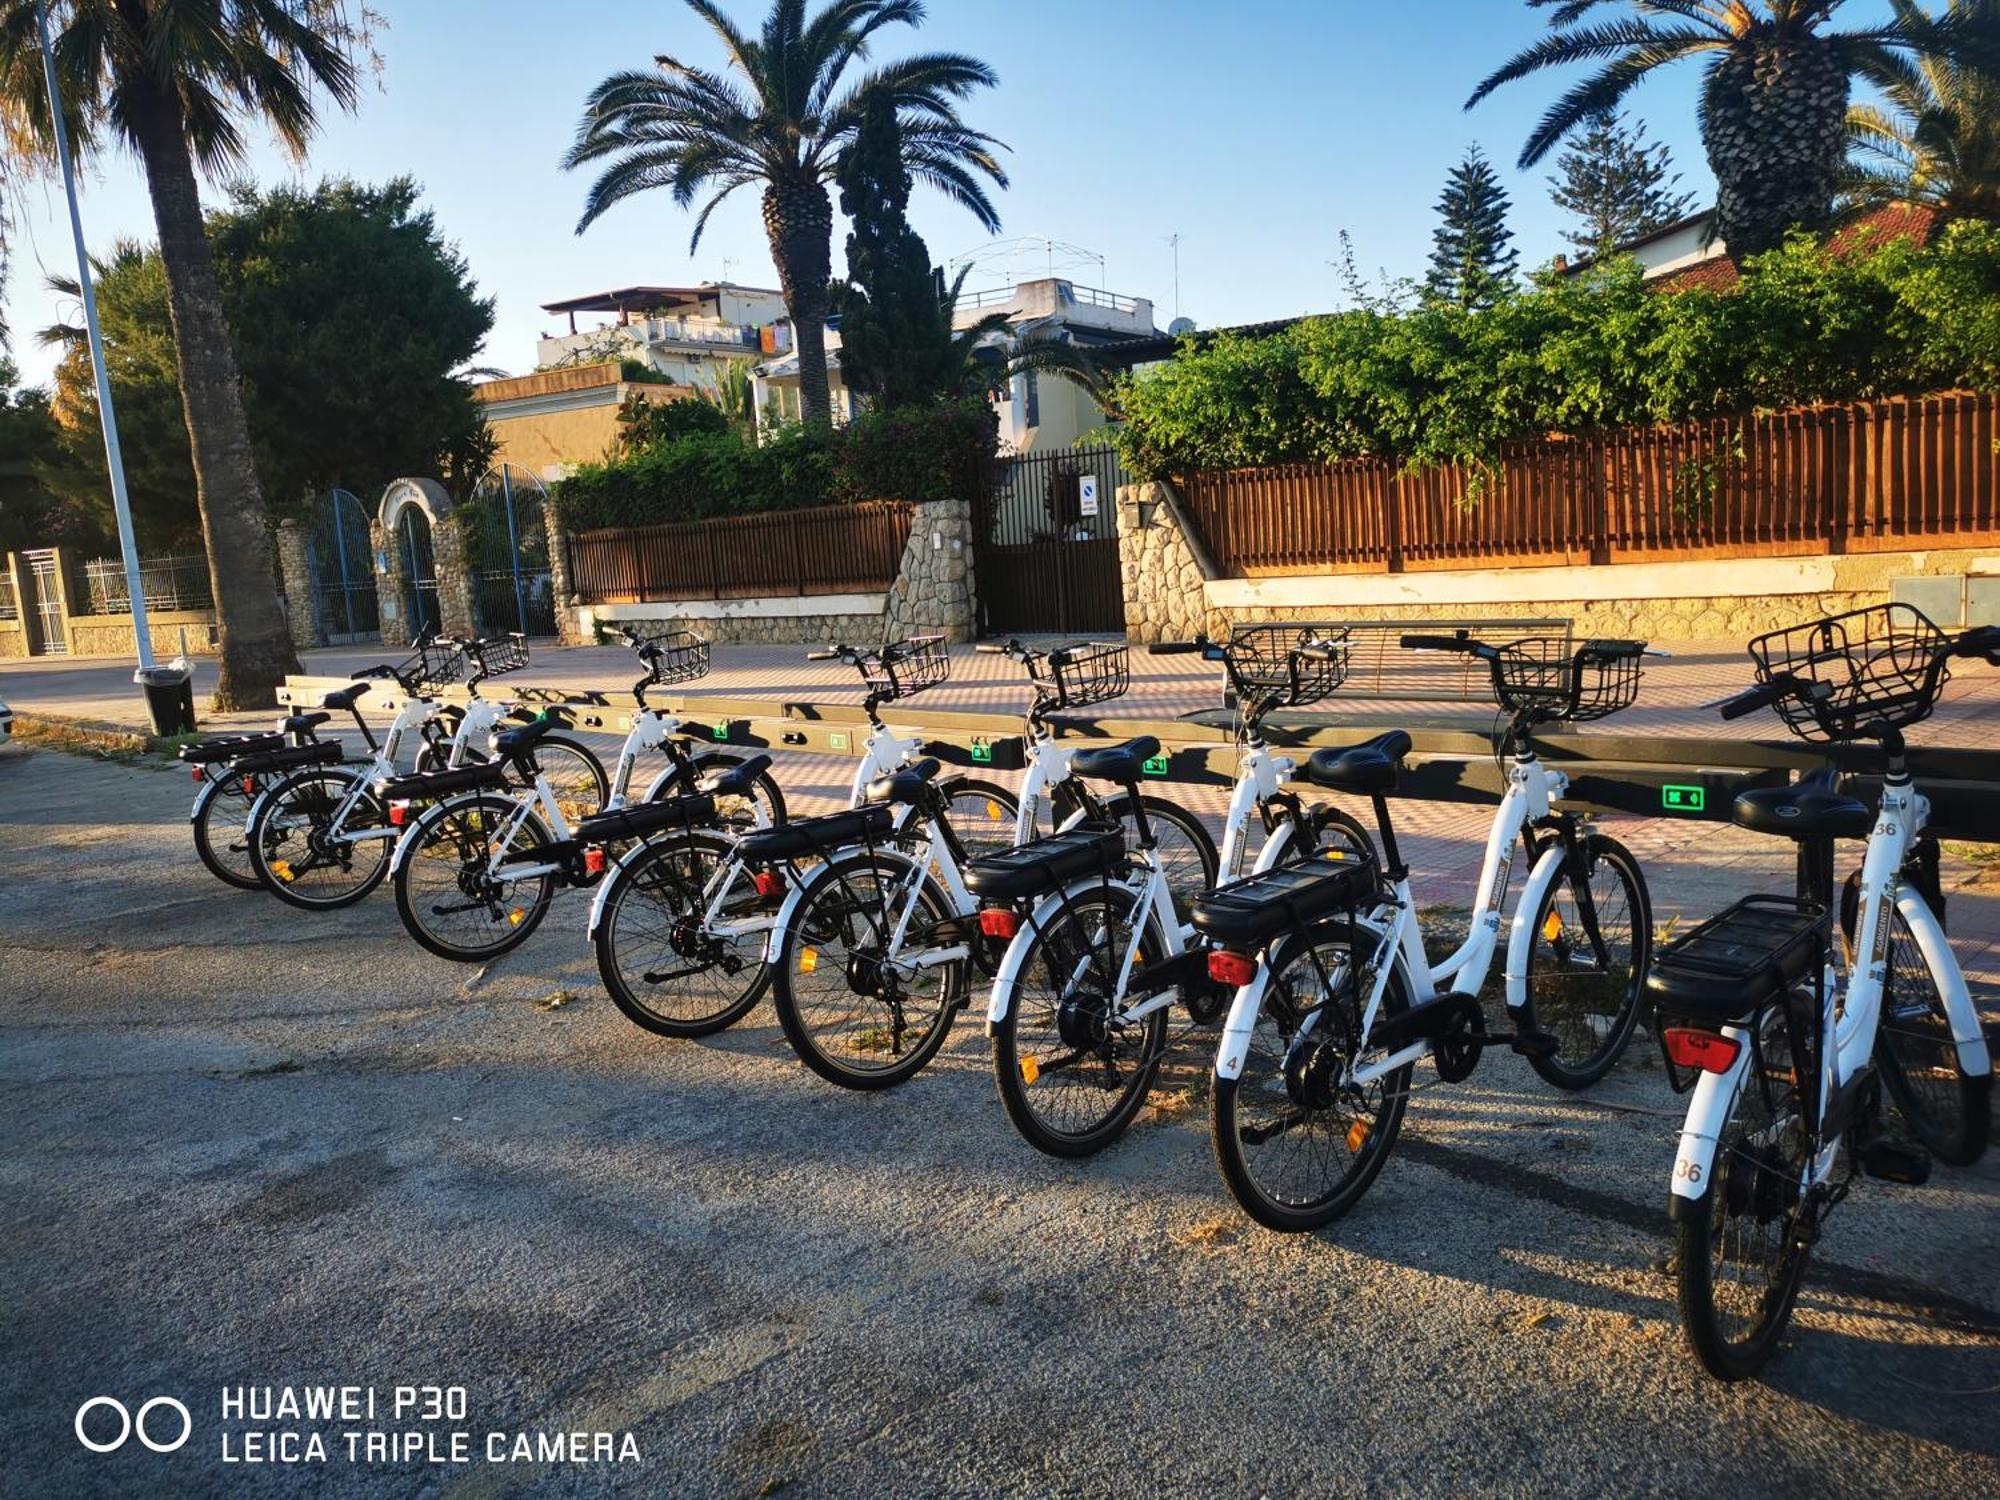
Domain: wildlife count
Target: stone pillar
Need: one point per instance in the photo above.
(457, 612)
(391, 581)
(301, 600)
(934, 589)
(1164, 600)
(568, 628)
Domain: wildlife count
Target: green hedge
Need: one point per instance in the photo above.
(1577, 354)
(933, 453)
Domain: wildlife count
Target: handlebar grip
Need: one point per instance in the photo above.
(1749, 701)
(990, 648)
(384, 670)
(1176, 648)
(822, 656)
(1616, 650)
(1319, 651)
(1981, 640)
(1437, 643)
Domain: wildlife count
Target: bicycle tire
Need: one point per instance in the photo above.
(1748, 1190)
(981, 814)
(1236, 1114)
(227, 800)
(575, 775)
(468, 822)
(1600, 1011)
(281, 863)
(1949, 1112)
(1081, 976)
(680, 781)
(825, 914)
(650, 873)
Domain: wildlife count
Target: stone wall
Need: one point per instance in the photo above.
(295, 568)
(935, 592)
(111, 635)
(1163, 582)
(748, 629)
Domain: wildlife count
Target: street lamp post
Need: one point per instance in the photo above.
(114, 459)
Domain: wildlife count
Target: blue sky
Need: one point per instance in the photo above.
(1256, 131)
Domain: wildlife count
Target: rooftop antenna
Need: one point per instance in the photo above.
(1174, 240)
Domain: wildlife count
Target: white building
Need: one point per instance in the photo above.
(685, 332)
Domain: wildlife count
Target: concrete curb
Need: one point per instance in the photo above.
(60, 732)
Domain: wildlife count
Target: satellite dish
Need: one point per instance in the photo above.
(1180, 326)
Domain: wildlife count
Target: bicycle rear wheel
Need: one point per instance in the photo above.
(660, 966)
(1947, 1111)
(861, 1007)
(1071, 1069)
(1743, 1242)
(300, 844)
(447, 892)
(575, 776)
(732, 812)
(981, 814)
(1297, 1145)
(221, 842)
(1588, 1000)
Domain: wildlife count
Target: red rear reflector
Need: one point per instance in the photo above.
(249, 786)
(399, 814)
(1700, 1049)
(1232, 969)
(770, 884)
(197, 773)
(1000, 922)
(593, 860)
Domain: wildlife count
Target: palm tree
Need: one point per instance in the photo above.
(1773, 101)
(1938, 142)
(784, 121)
(176, 81)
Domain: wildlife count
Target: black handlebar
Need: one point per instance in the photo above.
(1461, 643)
(1177, 648)
(1761, 696)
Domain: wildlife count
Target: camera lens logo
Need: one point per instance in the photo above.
(132, 1424)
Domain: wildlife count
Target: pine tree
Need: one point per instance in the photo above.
(1473, 259)
(893, 334)
(1617, 183)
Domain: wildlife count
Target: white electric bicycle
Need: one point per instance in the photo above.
(1096, 952)
(1336, 998)
(1790, 1030)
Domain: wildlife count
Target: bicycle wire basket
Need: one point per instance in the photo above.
(1874, 665)
(499, 654)
(1563, 680)
(682, 656)
(1265, 664)
(437, 663)
(1084, 674)
(905, 667)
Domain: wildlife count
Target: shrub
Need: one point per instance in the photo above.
(644, 424)
(920, 455)
(1576, 354)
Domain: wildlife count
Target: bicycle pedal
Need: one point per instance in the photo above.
(1534, 1043)
(1893, 1162)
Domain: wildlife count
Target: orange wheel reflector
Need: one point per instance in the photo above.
(1030, 1070)
(514, 917)
(1357, 1135)
(808, 960)
(1553, 928)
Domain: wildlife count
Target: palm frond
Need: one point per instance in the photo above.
(1594, 43)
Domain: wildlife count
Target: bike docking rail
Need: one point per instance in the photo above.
(1681, 778)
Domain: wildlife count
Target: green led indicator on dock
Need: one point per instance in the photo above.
(1157, 766)
(1683, 798)
(982, 753)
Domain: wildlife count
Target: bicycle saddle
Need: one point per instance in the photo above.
(1116, 762)
(905, 786)
(512, 744)
(303, 723)
(1367, 768)
(346, 698)
(1809, 809)
(734, 781)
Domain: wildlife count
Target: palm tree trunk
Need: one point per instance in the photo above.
(798, 218)
(236, 530)
(1774, 123)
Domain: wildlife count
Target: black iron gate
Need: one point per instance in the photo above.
(343, 577)
(509, 547)
(1048, 545)
(420, 584)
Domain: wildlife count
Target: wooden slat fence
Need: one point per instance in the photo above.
(1919, 471)
(833, 549)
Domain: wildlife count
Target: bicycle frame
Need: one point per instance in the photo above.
(1153, 914)
(1532, 789)
(1851, 1007)
(410, 719)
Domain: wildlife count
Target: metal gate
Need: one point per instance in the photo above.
(1048, 545)
(509, 546)
(420, 584)
(45, 611)
(343, 581)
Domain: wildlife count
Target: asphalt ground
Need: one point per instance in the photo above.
(252, 1147)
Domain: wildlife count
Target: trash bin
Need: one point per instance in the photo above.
(169, 696)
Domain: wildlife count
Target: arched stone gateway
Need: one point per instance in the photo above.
(420, 563)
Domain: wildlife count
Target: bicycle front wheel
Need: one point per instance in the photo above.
(1072, 1067)
(1946, 1110)
(1297, 1140)
(1744, 1241)
(452, 892)
(575, 776)
(661, 965)
(1585, 989)
(866, 997)
(981, 814)
(302, 842)
(221, 841)
(739, 812)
